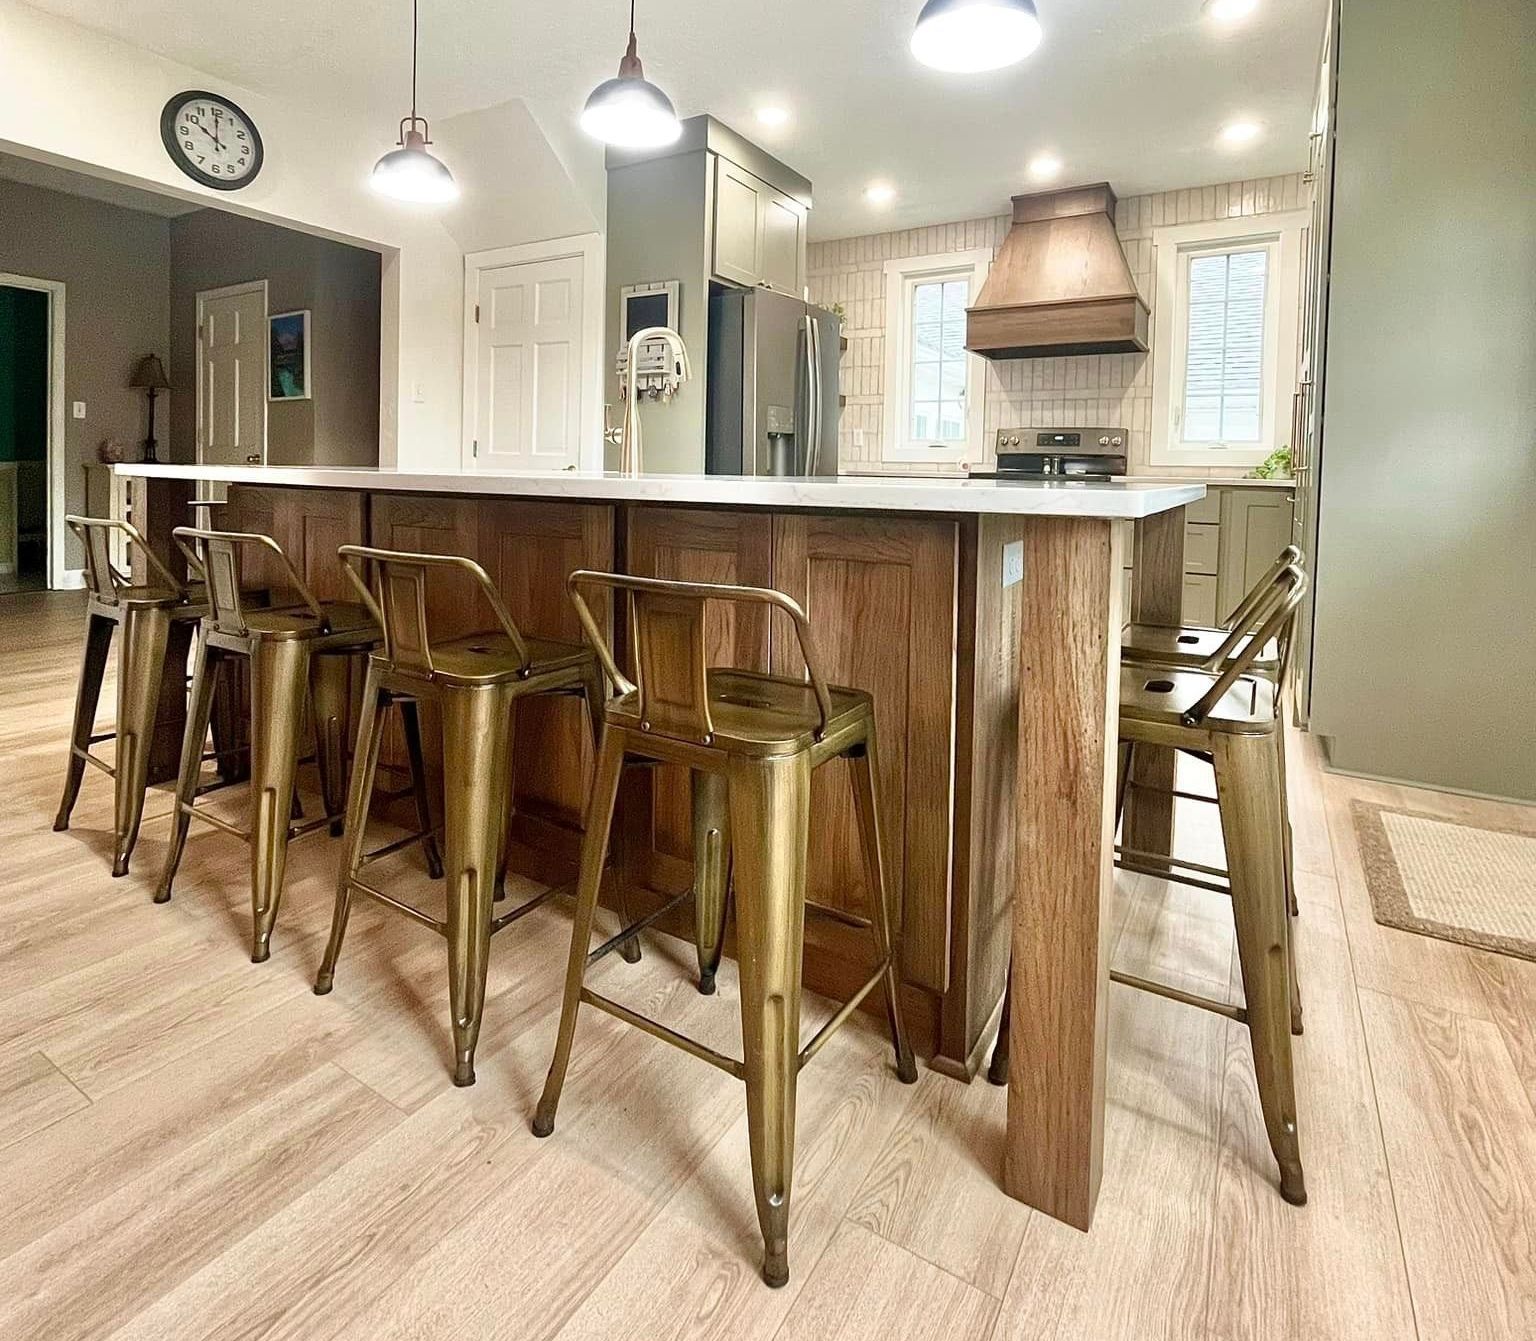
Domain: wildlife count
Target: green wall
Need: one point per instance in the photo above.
(23, 375)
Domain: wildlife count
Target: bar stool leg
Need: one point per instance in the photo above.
(711, 870)
(208, 667)
(93, 666)
(279, 679)
(365, 763)
(477, 781)
(141, 663)
(410, 721)
(770, 819)
(594, 692)
(1246, 778)
(594, 851)
(329, 681)
(882, 917)
(1288, 850)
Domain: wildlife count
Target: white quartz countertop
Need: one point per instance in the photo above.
(1111, 499)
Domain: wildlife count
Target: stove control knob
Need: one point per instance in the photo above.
(1117, 441)
(1104, 441)
(1014, 441)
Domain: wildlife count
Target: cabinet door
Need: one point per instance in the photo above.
(1199, 599)
(1255, 527)
(880, 594)
(310, 525)
(738, 224)
(783, 243)
(694, 545)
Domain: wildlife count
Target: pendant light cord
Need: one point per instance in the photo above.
(631, 18)
(413, 57)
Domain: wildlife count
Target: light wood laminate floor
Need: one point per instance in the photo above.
(195, 1146)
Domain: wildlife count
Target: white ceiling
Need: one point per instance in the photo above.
(1132, 91)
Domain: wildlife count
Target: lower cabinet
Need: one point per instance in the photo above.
(1255, 527)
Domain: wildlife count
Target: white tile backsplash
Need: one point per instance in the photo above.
(1095, 389)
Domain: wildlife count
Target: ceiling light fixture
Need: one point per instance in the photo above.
(1230, 11)
(773, 115)
(410, 172)
(966, 36)
(880, 193)
(629, 111)
(1240, 132)
(1042, 167)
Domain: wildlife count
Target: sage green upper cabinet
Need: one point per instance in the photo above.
(759, 233)
(1255, 527)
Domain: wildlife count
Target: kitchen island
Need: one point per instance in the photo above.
(984, 617)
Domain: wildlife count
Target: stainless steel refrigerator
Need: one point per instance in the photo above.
(773, 393)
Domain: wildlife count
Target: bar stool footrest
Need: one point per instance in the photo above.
(730, 1065)
(1231, 1012)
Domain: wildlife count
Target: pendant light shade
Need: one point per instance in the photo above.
(966, 36)
(629, 111)
(411, 172)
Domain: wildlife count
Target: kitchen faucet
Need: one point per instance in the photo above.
(662, 385)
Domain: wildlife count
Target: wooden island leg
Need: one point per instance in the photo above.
(1157, 598)
(1068, 689)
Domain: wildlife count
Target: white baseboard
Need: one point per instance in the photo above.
(71, 579)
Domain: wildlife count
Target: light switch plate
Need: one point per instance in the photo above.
(1013, 563)
(79, 409)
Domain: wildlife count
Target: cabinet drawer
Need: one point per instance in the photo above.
(1208, 509)
(1202, 547)
(1200, 599)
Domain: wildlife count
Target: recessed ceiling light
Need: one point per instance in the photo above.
(1240, 132)
(771, 114)
(1043, 167)
(880, 193)
(1230, 11)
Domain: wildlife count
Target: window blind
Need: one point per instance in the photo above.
(1224, 354)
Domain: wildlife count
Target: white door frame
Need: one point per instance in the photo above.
(58, 575)
(588, 248)
(230, 291)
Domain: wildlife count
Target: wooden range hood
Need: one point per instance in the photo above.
(1060, 284)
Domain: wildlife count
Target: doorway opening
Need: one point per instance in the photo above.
(29, 310)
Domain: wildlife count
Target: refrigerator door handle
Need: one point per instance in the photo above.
(812, 395)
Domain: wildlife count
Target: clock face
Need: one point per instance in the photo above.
(211, 140)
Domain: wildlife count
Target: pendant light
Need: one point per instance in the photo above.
(966, 36)
(410, 172)
(629, 111)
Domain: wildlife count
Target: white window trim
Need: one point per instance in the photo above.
(895, 442)
(1283, 231)
(588, 247)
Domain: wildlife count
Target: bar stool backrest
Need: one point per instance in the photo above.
(667, 620)
(1291, 554)
(393, 585)
(102, 578)
(217, 556)
(1273, 616)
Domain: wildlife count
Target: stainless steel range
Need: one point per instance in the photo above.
(1058, 453)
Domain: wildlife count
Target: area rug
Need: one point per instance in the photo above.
(1440, 877)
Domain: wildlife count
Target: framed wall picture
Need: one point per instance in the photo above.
(288, 356)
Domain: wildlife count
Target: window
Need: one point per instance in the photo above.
(933, 387)
(1225, 347)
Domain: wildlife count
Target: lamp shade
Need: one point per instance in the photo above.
(149, 375)
(413, 173)
(629, 111)
(966, 36)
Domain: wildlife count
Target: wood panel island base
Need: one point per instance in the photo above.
(984, 618)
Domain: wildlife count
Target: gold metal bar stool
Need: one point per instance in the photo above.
(1233, 716)
(298, 653)
(145, 614)
(763, 735)
(476, 681)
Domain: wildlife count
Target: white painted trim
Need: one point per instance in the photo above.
(57, 466)
(588, 247)
(71, 579)
(231, 291)
(899, 273)
(1284, 232)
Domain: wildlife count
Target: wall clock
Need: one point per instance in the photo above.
(211, 140)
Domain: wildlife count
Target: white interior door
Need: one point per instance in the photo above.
(232, 375)
(528, 365)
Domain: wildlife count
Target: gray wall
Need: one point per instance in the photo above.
(339, 424)
(1425, 662)
(115, 264)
